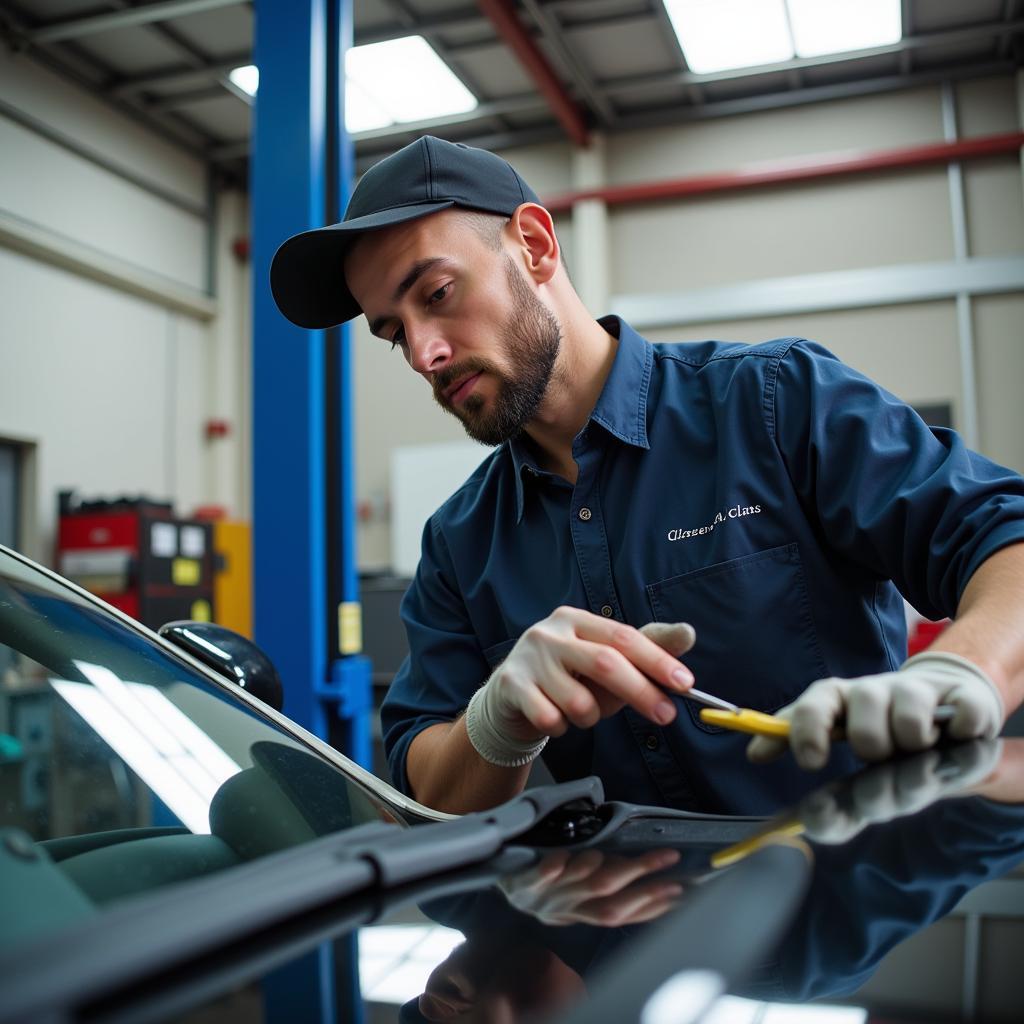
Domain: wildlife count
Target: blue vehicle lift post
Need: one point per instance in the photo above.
(306, 601)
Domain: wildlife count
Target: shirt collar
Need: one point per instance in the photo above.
(621, 408)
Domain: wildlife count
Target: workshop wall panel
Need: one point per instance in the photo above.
(107, 386)
(27, 86)
(986, 106)
(999, 344)
(994, 202)
(394, 406)
(910, 350)
(810, 228)
(547, 168)
(46, 185)
(724, 144)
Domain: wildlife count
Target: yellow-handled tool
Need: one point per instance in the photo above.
(745, 720)
(759, 724)
(732, 716)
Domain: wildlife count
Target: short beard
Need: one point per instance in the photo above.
(532, 338)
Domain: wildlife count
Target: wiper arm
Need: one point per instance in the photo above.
(92, 958)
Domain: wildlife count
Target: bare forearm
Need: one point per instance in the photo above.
(446, 773)
(989, 626)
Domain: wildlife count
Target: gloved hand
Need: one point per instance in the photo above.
(836, 813)
(890, 711)
(575, 668)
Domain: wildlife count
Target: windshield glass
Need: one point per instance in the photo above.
(130, 769)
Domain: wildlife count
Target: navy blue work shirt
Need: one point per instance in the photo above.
(770, 495)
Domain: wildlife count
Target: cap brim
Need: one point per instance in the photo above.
(307, 275)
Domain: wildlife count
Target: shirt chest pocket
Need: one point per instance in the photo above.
(756, 643)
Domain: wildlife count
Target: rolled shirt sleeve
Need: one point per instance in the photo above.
(445, 663)
(910, 502)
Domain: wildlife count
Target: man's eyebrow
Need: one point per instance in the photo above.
(415, 272)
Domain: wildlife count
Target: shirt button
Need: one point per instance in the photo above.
(651, 741)
(607, 611)
(585, 513)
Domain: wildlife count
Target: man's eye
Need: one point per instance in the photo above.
(440, 293)
(397, 339)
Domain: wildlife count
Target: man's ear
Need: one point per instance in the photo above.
(534, 233)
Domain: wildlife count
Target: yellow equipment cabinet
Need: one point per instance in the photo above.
(232, 582)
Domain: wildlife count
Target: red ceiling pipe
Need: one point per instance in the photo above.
(782, 172)
(808, 168)
(502, 15)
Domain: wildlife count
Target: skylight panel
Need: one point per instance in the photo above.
(834, 26)
(723, 35)
(247, 78)
(720, 35)
(406, 79)
(362, 112)
(387, 83)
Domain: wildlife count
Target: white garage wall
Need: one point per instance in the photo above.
(861, 222)
(109, 389)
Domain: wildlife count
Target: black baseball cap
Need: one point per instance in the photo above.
(306, 275)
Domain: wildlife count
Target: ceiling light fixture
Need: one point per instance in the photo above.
(403, 80)
(723, 35)
(394, 82)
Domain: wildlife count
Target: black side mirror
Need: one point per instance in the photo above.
(231, 655)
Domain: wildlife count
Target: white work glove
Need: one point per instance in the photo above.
(836, 813)
(887, 712)
(575, 668)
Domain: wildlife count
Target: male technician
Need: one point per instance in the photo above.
(769, 495)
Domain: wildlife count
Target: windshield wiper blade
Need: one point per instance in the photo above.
(93, 957)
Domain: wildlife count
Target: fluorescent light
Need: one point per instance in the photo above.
(406, 81)
(246, 78)
(798, 1013)
(131, 746)
(395, 961)
(684, 998)
(834, 26)
(735, 1010)
(393, 82)
(720, 35)
(362, 111)
(162, 745)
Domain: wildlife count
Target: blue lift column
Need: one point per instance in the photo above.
(306, 602)
(306, 593)
(349, 687)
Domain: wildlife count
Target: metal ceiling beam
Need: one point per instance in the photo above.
(695, 92)
(467, 17)
(75, 28)
(953, 37)
(494, 141)
(526, 103)
(664, 116)
(907, 29)
(502, 15)
(171, 77)
(552, 31)
(180, 100)
(482, 112)
(69, 59)
(1009, 13)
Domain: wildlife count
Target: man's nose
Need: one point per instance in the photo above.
(428, 350)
